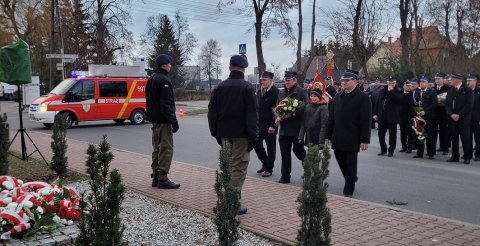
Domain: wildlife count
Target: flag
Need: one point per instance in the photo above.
(330, 66)
(318, 79)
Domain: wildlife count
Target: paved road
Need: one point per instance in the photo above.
(429, 186)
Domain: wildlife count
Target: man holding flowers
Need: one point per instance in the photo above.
(289, 117)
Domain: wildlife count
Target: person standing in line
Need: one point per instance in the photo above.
(459, 110)
(415, 90)
(441, 116)
(161, 113)
(267, 100)
(338, 87)
(314, 121)
(233, 118)
(329, 87)
(475, 121)
(427, 99)
(375, 89)
(387, 115)
(348, 128)
(406, 116)
(290, 126)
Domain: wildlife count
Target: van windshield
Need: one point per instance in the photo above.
(63, 87)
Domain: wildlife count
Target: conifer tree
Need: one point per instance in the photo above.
(59, 147)
(102, 225)
(228, 200)
(4, 144)
(316, 219)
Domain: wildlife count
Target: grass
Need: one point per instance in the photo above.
(196, 112)
(37, 170)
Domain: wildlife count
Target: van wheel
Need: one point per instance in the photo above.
(137, 117)
(10, 97)
(119, 121)
(48, 125)
(68, 118)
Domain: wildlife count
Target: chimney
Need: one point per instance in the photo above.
(389, 40)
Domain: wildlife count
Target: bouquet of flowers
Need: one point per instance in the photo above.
(442, 97)
(419, 126)
(287, 106)
(26, 208)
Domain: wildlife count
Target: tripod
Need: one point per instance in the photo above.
(23, 132)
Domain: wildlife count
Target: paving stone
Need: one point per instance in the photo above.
(47, 242)
(63, 239)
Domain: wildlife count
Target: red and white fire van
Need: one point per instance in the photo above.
(91, 99)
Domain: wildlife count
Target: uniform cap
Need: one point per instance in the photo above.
(238, 61)
(163, 59)
(290, 74)
(378, 80)
(267, 75)
(391, 79)
(456, 76)
(424, 78)
(414, 81)
(350, 74)
(328, 78)
(472, 77)
(440, 75)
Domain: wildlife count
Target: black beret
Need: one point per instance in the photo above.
(163, 59)
(238, 61)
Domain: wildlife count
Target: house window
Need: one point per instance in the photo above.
(382, 62)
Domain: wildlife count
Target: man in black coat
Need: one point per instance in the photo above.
(441, 116)
(290, 126)
(406, 116)
(375, 90)
(387, 115)
(233, 117)
(459, 110)
(267, 97)
(427, 100)
(475, 121)
(348, 128)
(329, 87)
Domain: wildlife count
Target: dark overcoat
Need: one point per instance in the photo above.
(459, 102)
(476, 107)
(266, 103)
(291, 126)
(428, 101)
(406, 113)
(391, 100)
(349, 120)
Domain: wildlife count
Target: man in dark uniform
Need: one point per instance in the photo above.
(233, 117)
(290, 126)
(329, 87)
(338, 87)
(375, 89)
(441, 115)
(459, 110)
(427, 99)
(361, 82)
(475, 121)
(348, 128)
(267, 98)
(387, 115)
(406, 116)
(161, 113)
(415, 90)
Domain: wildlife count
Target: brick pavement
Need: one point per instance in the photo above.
(272, 212)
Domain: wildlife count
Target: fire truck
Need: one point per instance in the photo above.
(107, 93)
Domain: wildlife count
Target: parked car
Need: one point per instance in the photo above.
(7, 91)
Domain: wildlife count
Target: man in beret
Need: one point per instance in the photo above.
(448, 81)
(233, 118)
(290, 126)
(387, 115)
(441, 115)
(406, 115)
(267, 97)
(161, 113)
(475, 121)
(348, 128)
(459, 111)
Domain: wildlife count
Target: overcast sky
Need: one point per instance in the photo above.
(228, 28)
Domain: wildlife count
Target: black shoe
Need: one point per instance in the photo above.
(408, 151)
(242, 210)
(261, 170)
(445, 152)
(167, 184)
(477, 158)
(418, 156)
(463, 157)
(402, 150)
(430, 157)
(347, 195)
(390, 154)
(382, 153)
(154, 182)
(284, 181)
(466, 161)
(439, 150)
(453, 159)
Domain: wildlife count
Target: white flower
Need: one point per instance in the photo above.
(56, 219)
(40, 210)
(7, 200)
(284, 108)
(45, 191)
(8, 185)
(295, 103)
(63, 221)
(290, 108)
(4, 222)
(70, 222)
(20, 182)
(12, 206)
(28, 204)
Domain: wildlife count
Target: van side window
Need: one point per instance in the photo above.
(83, 90)
(113, 88)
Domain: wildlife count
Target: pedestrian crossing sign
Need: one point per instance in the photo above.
(242, 49)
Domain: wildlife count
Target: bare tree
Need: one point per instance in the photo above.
(268, 14)
(209, 59)
(186, 40)
(302, 69)
(275, 69)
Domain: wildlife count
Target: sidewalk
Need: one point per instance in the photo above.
(272, 210)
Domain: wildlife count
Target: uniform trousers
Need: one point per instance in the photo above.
(431, 145)
(286, 143)
(240, 160)
(462, 131)
(443, 134)
(162, 142)
(267, 160)
(347, 161)
(383, 127)
(475, 138)
(405, 134)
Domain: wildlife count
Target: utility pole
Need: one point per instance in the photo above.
(52, 43)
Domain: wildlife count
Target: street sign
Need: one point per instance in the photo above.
(242, 49)
(60, 68)
(68, 60)
(330, 54)
(69, 56)
(59, 64)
